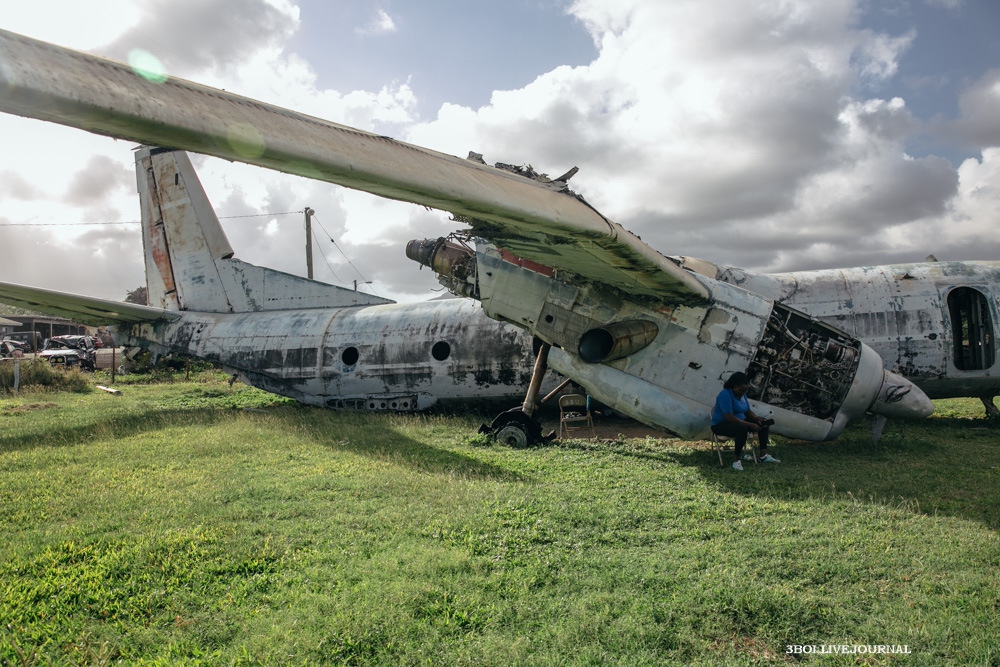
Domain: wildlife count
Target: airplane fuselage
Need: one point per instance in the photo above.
(934, 322)
(395, 357)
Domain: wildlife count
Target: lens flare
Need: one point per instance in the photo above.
(146, 65)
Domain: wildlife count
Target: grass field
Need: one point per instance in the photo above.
(189, 523)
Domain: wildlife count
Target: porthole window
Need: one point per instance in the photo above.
(441, 350)
(350, 356)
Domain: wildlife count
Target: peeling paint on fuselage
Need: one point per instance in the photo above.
(398, 356)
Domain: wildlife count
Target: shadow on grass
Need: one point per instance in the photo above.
(111, 426)
(942, 466)
(371, 436)
(945, 465)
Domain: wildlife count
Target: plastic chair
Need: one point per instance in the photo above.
(574, 414)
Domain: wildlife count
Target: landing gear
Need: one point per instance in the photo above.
(519, 427)
(516, 429)
(991, 408)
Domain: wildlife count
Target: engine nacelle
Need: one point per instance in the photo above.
(616, 340)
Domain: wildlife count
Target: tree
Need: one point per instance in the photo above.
(138, 295)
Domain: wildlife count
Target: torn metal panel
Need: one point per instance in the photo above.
(803, 365)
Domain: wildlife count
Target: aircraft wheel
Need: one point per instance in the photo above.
(515, 429)
(513, 435)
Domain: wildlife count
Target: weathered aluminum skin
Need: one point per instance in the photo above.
(390, 357)
(901, 311)
(810, 377)
(321, 344)
(318, 343)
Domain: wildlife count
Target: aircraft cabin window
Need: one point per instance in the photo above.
(350, 356)
(971, 329)
(441, 350)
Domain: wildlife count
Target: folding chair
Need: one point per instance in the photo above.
(574, 409)
(719, 443)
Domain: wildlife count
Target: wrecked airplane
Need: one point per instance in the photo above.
(317, 343)
(650, 335)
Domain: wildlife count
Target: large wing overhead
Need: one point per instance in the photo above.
(83, 309)
(540, 221)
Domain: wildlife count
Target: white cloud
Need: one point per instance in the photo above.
(78, 25)
(754, 135)
(740, 136)
(380, 24)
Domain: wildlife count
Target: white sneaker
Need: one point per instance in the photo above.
(737, 466)
(767, 458)
(748, 457)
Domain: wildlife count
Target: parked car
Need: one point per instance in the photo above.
(70, 351)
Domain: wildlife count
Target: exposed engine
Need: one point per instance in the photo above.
(803, 365)
(452, 260)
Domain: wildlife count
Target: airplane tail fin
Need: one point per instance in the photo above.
(189, 262)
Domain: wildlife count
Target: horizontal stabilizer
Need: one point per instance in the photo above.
(251, 288)
(83, 309)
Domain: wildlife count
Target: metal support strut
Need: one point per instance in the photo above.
(518, 427)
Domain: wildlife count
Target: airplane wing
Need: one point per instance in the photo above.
(536, 218)
(83, 309)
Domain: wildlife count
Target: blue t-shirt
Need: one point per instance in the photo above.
(727, 403)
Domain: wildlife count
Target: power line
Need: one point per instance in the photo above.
(67, 224)
(315, 237)
(132, 222)
(259, 215)
(363, 280)
(334, 242)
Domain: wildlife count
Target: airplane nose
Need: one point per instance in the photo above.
(899, 397)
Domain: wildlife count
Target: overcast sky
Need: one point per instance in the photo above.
(772, 135)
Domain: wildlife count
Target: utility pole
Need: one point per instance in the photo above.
(309, 243)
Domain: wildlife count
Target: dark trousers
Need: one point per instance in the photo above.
(738, 432)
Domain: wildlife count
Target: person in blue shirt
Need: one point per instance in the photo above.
(732, 418)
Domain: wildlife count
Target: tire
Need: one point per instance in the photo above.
(516, 429)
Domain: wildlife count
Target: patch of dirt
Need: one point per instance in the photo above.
(609, 427)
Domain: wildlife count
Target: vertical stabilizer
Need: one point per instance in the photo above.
(189, 262)
(181, 235)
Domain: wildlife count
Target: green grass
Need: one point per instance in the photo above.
(169, 526)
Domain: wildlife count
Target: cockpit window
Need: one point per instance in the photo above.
(971, 329)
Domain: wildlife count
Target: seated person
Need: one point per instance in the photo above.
(732, 418)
